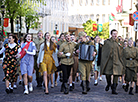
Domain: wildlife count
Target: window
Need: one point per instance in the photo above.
(72, 3)
(86, 17)
(81, 2)
(92, 17)
(92, 2)
(97, 2)
(103, 18)
(86, 3)
(104, 2)
(108, 2)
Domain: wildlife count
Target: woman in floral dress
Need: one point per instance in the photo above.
(45, 59)
(11, 50)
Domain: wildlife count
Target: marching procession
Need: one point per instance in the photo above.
(72, 58)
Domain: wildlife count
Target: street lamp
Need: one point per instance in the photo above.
(97, 19)
(2, 11)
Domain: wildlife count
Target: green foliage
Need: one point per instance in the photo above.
(23, 8)
(31, 16)
(88, 28)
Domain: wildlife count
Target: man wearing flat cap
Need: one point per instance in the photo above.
(84, 65)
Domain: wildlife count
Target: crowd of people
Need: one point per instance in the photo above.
(70, 57)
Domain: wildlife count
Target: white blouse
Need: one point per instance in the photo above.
(11, 46)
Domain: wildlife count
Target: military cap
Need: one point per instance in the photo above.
(81, 34)
(66, 33)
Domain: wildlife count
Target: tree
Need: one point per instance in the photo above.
(11, 11)
(31, 16)
(88, 28)
(15, 8)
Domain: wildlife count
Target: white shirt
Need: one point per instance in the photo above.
(11, 46)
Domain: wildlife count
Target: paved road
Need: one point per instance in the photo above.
(96, 94)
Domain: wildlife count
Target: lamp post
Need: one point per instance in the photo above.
(136, 31)
(97, 19)
(2, 11)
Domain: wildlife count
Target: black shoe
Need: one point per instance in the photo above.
(130, 92)
(84, 88)
(136, 89)
(124, 86)
(87, 85)
(38, 85)
(62, 88)
(46, 93)
(114, 89)
(95, 84)
(20, 82)
(77, 79)
(71, 88)
(11, 90)
(66, 90)
(7, 91)
(107, 88)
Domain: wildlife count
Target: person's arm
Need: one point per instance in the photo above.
(2, 50)
(60, 52)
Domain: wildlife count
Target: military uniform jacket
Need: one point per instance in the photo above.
(111, 60)
(38, 42)
(66, 47)
(131, 62)
(59, 43)
(131, 57)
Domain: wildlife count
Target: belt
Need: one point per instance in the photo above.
(130, 58)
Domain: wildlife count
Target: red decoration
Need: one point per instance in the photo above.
(94, 27)
(119, 7)
(57, 32)
(6, 22)
(131, 20)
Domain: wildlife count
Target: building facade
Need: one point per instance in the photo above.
(69, 15)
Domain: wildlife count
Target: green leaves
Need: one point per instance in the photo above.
(88, 28)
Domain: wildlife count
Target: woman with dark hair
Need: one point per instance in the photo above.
(27, 61)
(11, 50)
(45, 59)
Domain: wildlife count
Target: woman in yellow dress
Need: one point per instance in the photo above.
(45, 61)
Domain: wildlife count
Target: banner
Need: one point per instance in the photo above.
(100, 27)
(94, 27)
(131, 20)
(6, 22)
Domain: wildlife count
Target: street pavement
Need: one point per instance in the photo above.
(96, 94)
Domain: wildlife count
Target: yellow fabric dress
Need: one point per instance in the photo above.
(48, 63)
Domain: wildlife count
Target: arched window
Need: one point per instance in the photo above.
(72, 2)
(80, 2)
(92, 2)
(92, 17)
(86, 3)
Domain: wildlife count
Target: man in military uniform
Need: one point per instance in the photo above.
(38, 42)
(66, 59)
(111, 61)
(84, 65)
(131, 63)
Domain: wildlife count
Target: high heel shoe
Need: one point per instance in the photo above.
(46, 93)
